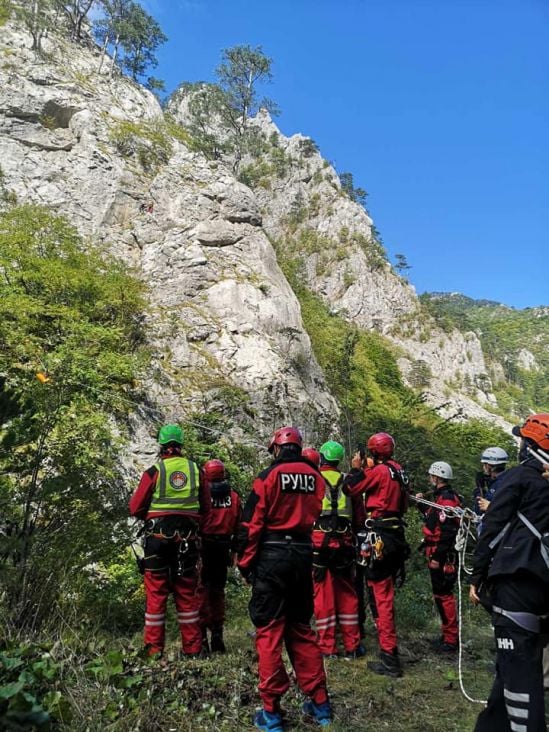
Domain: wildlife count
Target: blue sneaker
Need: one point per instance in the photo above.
(321, 713)
(268, 721)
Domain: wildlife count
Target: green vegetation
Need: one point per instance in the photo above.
(504, 332)
(151, 143)
(220, 113)
(358, 195)
(124, 26)
(363, 374)
(7, 197)
(5, 11)
(72, 344)
(271, 163)
(96, 680)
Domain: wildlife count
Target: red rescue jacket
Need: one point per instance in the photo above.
(439, 530)
(220, 513)
(383, 492)
(286, 497)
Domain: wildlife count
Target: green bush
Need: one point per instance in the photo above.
(149, 142)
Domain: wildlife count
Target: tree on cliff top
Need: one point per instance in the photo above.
(219, 113)
(241, 70)
(124, 24)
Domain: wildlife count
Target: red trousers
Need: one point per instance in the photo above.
(305, 657)
(335, 604)
(187, 603)
(382, 602)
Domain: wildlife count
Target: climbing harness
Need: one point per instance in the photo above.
(370, 548)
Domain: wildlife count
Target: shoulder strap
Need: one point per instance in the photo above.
(532, 528)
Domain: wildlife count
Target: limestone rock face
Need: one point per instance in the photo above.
(223, 318)
(335, 237)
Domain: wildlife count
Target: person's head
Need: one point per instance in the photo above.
(440, 473)
(534, 433)
(286, 441)
(170, 439)
(214, 471)
(381, 446)
(312, 455)
(331, 453)
(493, 460)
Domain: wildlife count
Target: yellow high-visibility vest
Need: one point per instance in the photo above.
(344, 506)
(177, 486)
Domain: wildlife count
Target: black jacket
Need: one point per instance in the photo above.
(521, 489)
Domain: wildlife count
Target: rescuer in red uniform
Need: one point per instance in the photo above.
(221, 512)
(167, 499)
(384, 548)
(335, 597)
(439, 532)
(275, 556)
(312, 455)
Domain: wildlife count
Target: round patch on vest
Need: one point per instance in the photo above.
(178, 480)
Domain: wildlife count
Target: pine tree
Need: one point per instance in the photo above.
(75, 11)
(140, 38)
(38, 18)
(241, 70)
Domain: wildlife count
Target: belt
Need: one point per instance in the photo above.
(286, 538)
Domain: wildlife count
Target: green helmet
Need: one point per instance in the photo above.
(332, 451)
(170, 433)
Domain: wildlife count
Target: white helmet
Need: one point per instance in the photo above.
(494, 456)
(441, 470)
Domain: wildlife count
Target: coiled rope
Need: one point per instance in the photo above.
(467, 519)
(464, 531)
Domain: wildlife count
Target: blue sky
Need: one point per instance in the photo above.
(439, 108)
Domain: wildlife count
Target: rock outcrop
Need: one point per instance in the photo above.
(224, 321)
(223, 317)
(346, 266)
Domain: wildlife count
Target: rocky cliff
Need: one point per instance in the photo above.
(224, 321)
(225, 325)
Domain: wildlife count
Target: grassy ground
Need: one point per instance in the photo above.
(91, 683)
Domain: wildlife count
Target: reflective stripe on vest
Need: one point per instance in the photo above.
(344, 506)
(176, 486)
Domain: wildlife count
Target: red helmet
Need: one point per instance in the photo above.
(312, 455)
(214, 471)
(535, 428)
(381, 444)
(286, 436)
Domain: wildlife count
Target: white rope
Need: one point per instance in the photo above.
(454, 511)
(461, 548)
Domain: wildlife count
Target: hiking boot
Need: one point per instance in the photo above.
(216, 641)
(388, 665)
(320, 713)
(268, 721)
(360, 652)
(205, 642)
(329, 656)
(443, 647)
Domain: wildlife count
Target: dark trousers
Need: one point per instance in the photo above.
(516, 702)
(443, 593)
(281, 608)
(215, 552)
